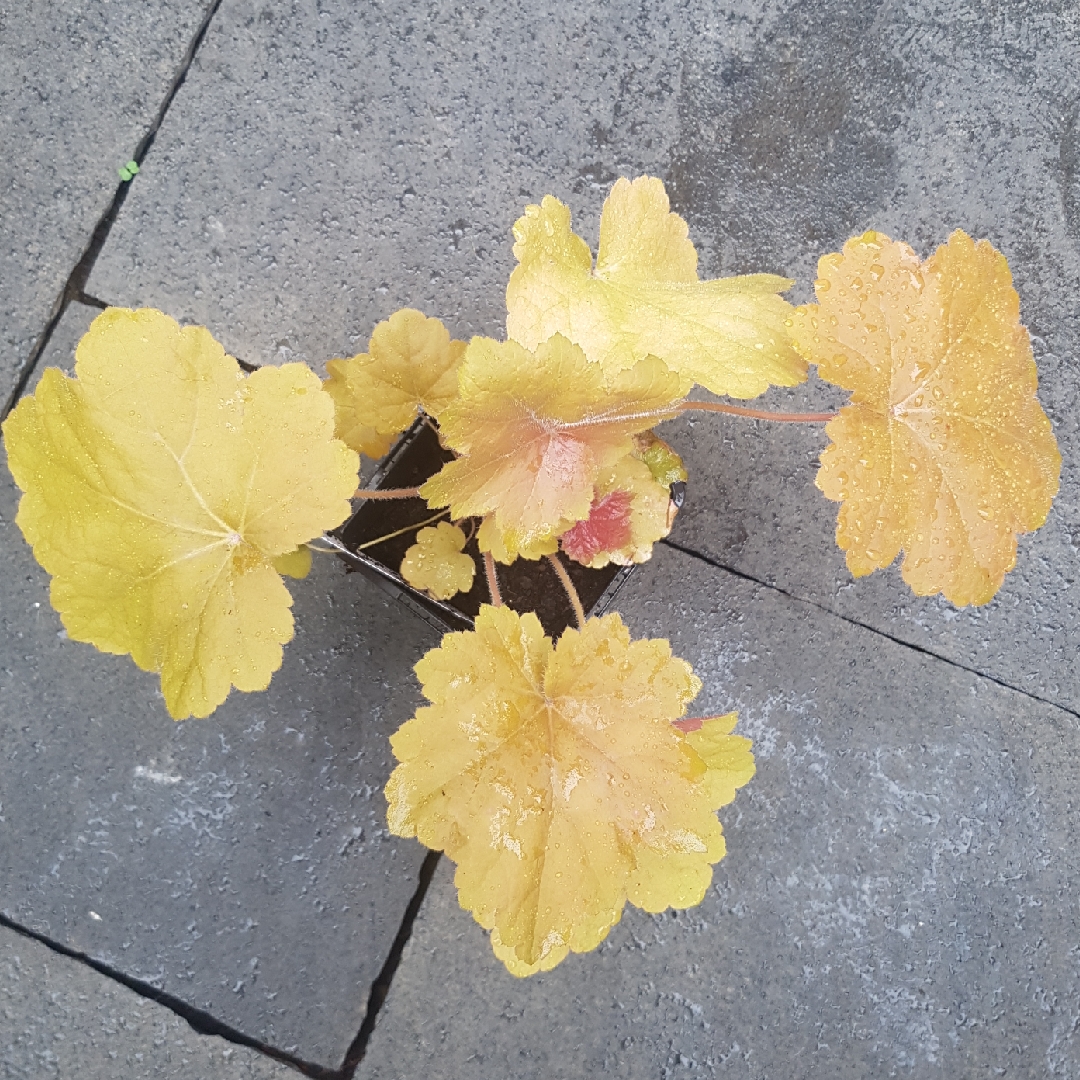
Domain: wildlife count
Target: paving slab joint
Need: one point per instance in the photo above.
(205, 1024)
(201, 1022)
(922, 650)
(381, 986)
(74, 287)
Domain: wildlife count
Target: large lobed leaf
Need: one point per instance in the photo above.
(644, 298)
(944, 451)
(162, 485)
(535, 433)
(554, 777)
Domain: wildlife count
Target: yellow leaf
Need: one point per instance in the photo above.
(161, 484)
(728, 761)
(535, 431)
(436, 564)
(553, 776)
(411, 363)
(348, 389)
(644, 298)
(944, 451)
(295, 563)
(490, 540)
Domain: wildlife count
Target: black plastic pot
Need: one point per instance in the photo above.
(526, 585)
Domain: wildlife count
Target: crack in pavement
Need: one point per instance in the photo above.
(200, 1021)
(74, 287)
(205, 1023)
(381, 986)
(708, 560)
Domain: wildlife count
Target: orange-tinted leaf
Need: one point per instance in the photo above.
(944, 451)
(536, 432)
(411, 364)
(553, 776)
(643, 298)
(436, 564)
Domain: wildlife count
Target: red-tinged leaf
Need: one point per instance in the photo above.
(606, 528)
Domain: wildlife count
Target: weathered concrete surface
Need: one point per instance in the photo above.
(326, 164)
(61, 348)
(241, 863)
(897, 899)
(323, 168)
(80, 84)
(914, 119)
(61, 1019)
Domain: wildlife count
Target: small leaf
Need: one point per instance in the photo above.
(553, 776)
(435, 563)
(490, 540)
(606, 529)
(644, 298)
(350, 425)
(665, 465)
(411, 364)
(944, 451)
(535, 432)
(728, 761)
(161, 484)
(630, 512)
(294, 564)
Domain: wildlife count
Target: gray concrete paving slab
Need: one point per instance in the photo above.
(240, 863)
(913, 119)
(60, 1019)
(898, 897)
(80, 84)
(73, 324)
(327, 163)
(326, 166)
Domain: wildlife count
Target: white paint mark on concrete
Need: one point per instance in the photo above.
(143, 773)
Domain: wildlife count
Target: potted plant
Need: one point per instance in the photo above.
(167, 492)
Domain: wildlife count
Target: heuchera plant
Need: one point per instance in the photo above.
(167, 492)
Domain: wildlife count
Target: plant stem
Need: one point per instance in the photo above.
(326, 550)
(334, 543)
(398, 532)
(571, 592)
(492, 580)
(387, 493)
(689, 723)
(756, 414)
